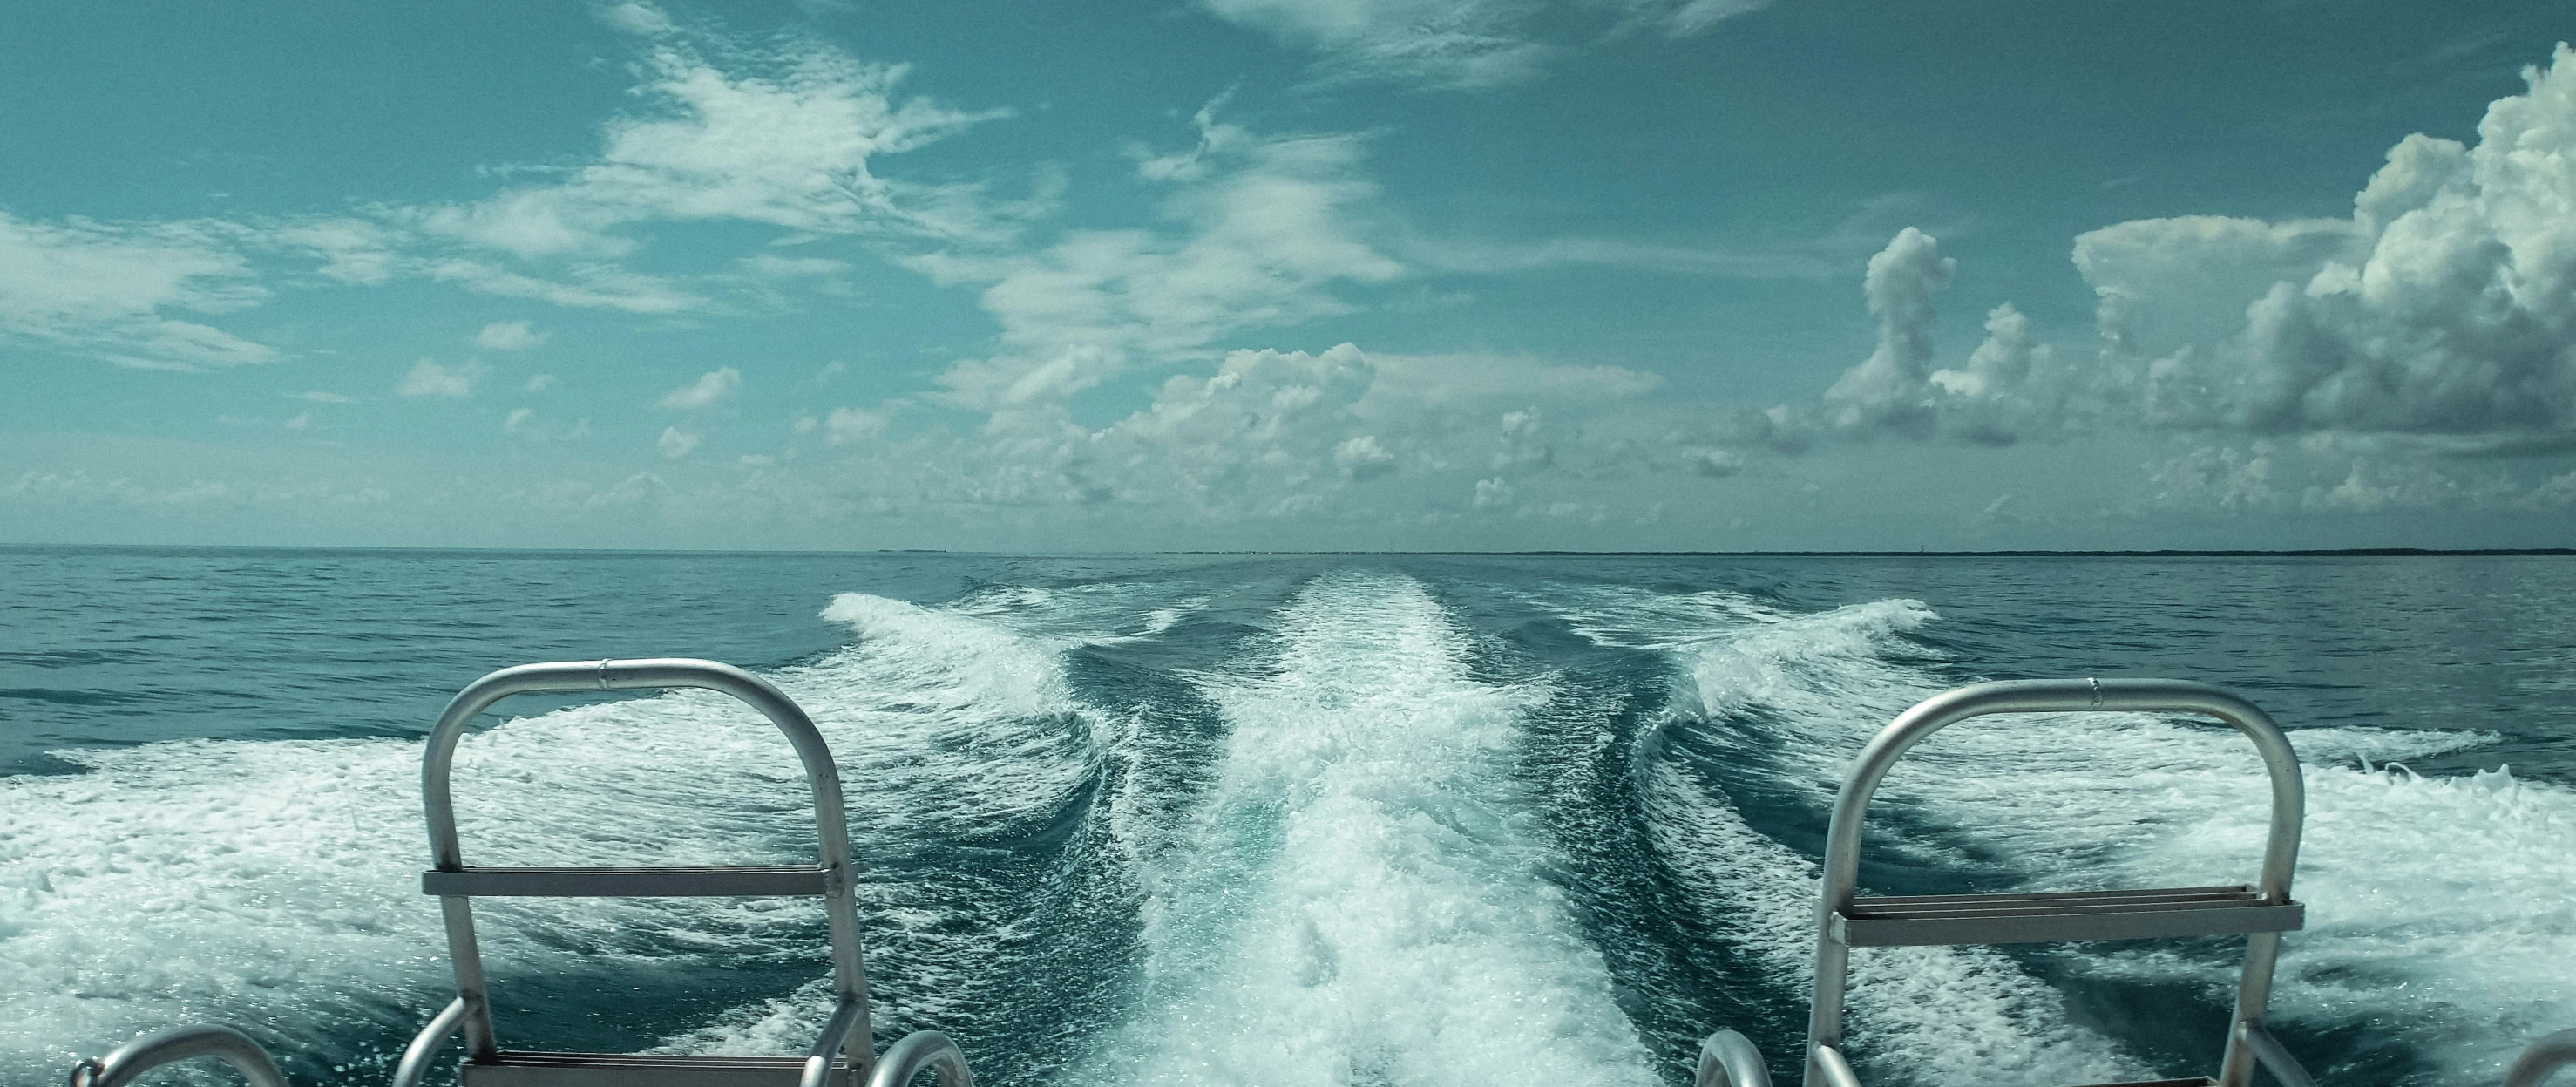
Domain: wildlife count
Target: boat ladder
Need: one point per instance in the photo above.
(841, 1057)
(2542, 1060)
(2261, 911)
(125, 1063)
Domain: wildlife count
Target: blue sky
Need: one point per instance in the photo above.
(1589, 274)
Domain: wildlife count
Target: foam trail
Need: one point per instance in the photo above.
(1360, 901)
(2433, 919)
(274, 883)
(1916, 1014)
(1925, 1015)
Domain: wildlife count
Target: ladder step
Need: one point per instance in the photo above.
(2057, 916)
(523, 1069)
(2195, 1081)
(801, 879)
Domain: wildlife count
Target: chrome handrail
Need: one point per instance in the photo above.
(1831, 1067)
(1729, 1059)
(2268, 1052)
(849, 971)
(920, 1050)
(2544, 1058)
(415, 1058)
(121, 1065)
(1851, 806)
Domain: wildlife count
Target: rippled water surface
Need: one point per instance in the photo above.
(1281, 820)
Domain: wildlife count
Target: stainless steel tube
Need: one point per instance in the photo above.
(2544, 1058)
(920, 1050)
(1729, 1059)
(1851, 809)
(849, 971)
(122, 1064)
(425, 1045)
(2267, 1052)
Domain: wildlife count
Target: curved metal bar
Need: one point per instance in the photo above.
(416, 1057)
(2268, 1052)
(849, 971)
(1851, 809)
(1729, 1059)
(2545, 1057)
(122, 1064)
(1831, 1067)
(834, 1040)
(919, 1050)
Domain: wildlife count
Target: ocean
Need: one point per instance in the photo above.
(1281, 820)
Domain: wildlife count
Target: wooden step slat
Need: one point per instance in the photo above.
(800, 879)
(2059, 916)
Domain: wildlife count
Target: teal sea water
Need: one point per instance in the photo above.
(1280, 820)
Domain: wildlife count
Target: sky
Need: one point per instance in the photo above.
(1290, 274)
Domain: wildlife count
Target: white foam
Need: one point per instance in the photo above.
(2437, 910)
(1360, 900)
(1916, 1014)
(275, 882)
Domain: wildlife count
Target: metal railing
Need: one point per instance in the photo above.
(2542, 1060)
(121, 1065)
(2261, 911)
(831, 878)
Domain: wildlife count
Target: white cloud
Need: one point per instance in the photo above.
(107, 290)
(1265, 233)
(508, 336)
(1493, 494)
(712, 388)
(675, 443)
(1363, 458)
(1450, 43)
(428, 378)
(790, 147)
(1457, 43)
(319, 396)
(1891, 390)
(527, 423)
(2445, 305)
(586, 286)
(635, 18)
(852, 425)
(300, 421)
(539, 383)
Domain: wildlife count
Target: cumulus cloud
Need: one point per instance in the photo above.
(508, 336)
(710, 389)
(675, 443)
(1261, 434)
(1363, 458)
(2445, 305)
(1891, 390)
(846, 425)
(110, 290)
(428, 378)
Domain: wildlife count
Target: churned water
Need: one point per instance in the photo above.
(1280, 820)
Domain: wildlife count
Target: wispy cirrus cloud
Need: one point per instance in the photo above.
(1459, 44)
(1257, 231)
(116, 290)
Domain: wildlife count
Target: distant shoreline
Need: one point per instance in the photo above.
(2348, 552)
